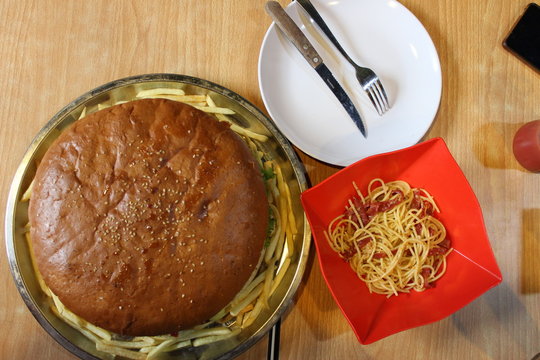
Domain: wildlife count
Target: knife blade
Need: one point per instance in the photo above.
(300, 41)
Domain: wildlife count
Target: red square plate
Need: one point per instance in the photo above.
(471, 266)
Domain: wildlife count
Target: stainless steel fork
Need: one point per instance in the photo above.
(366, 77)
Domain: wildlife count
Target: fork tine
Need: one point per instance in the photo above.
(382, 92)
(374, 99)
(377, 94)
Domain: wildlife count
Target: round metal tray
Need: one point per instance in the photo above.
(247, 116)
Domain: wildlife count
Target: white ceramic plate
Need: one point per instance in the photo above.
(380, 34)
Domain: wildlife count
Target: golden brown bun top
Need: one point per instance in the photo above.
(147, 217)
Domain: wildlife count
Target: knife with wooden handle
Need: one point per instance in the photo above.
(300, 41)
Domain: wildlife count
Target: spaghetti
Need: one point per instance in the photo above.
(391, 239)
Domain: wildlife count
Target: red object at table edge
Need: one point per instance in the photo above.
(526, 146)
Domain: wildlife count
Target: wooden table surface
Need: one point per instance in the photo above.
(53, 51)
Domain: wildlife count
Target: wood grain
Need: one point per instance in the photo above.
(53, 51)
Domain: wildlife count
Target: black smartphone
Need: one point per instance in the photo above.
(524, 39)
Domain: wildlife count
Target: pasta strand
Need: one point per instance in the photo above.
(391, 239)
